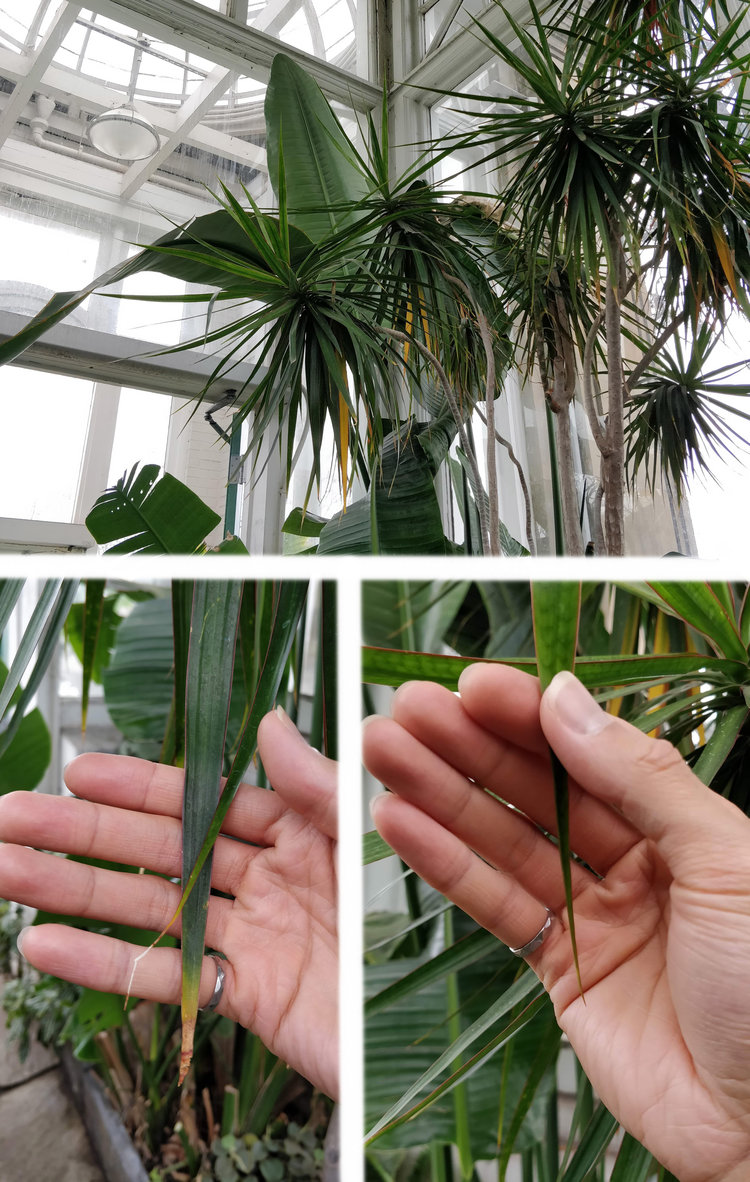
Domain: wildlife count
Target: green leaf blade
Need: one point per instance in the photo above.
(213, 629)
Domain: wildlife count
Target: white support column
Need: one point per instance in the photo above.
(100, 437)
(25, 87)
(190, 114)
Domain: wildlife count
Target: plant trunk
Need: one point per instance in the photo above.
(613, 462)
(566, 466)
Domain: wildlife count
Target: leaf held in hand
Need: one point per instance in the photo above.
(556, 609)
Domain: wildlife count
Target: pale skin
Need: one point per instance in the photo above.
(277, 932)
(663, 925)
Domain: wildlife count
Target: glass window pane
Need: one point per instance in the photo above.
(141, 431)
(161, 323)
(40, 258)
(42, 444)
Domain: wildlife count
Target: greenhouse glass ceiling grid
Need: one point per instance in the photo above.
(62, 65)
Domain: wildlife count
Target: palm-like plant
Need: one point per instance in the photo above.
(355, 298)
(630, 171)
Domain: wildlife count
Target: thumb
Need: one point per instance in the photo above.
(645, 779)
(303, 778)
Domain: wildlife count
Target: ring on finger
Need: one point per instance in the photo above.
(215, 997)
(535, 941)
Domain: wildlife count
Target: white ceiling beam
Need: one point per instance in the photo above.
(121, 361)
(228, 43)
(37, 63)
(63, 84)
(190, 114)
(83, 183)
(463, 54)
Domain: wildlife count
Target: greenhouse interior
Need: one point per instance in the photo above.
(300, 413)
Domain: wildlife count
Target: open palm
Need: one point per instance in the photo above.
(662, 904)
(276, 927)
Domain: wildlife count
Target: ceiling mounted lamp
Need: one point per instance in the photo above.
(124, 134)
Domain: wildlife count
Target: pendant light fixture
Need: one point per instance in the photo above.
(124, 133)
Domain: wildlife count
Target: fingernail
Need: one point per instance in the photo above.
(20, 939)
(368, 721)
(286, 719)
(465, 677)
(575, 706)
(375, 802)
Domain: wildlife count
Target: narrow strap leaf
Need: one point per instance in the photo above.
(328, 644)
(399, 1114)
(29, 641)
(728, 726)
(556, 609)
(47, 646)
(92, 622)
(213, 631)
(596, 1137)
(10, 590)
(289, 600)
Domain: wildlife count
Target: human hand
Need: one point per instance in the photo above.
(662, 923)
(277, 931)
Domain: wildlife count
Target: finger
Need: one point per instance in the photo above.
(648, 781)
(55, 884)
(303, 778)
(502, 837)
(113, 966)
(489, 896)
(78, 827)
(127, 782)
(487, 753)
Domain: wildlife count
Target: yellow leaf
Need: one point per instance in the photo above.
(726, 257)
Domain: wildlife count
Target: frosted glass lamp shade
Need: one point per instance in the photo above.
(123, 134)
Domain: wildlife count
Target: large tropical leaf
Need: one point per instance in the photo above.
(26, 758)
(146, 513)
(138, 681)
(322, 178)
(404, 517)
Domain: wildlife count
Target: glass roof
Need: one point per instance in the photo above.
(73, 64)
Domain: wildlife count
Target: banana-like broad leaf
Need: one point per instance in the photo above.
(322, 178)
(556, 610)
(404, 516)
(148, 514)
(138, 683)
(213, 632)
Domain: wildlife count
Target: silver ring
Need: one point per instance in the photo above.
(536, 941)
(215, 997)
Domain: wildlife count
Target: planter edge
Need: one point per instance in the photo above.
(110, 1141)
